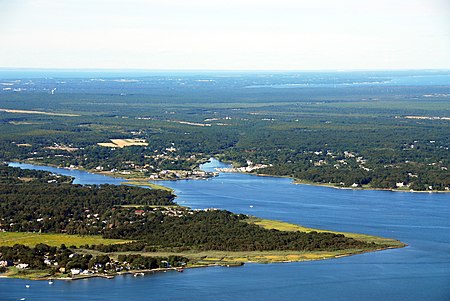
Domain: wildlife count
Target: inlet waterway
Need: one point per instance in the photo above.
(420, 271)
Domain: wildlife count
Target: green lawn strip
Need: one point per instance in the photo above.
(31, 239)
(147, 184)
(283, 226)
(14, 272)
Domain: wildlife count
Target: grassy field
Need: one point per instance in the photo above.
(283, 226)
(13, 272)
(147, 184)
(38, 112)
(31, 239)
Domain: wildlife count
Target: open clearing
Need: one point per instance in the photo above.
(121, 143)
(190, 123)
(37, 112)
(31, 239)
(147, 184)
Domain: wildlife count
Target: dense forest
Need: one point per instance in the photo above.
(11, 175)
(222, 230)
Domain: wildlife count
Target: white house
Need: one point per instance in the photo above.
(22, 266)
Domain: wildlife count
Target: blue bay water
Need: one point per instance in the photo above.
(80, 177)
(420, 271)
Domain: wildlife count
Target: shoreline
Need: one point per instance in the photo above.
(125, 177)
(150, 181)
(301, 182)
(204, 259)
(88, 276)
(146, 272)
(296, 181)
(330, 185)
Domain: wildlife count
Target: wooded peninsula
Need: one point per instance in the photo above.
(139, 230)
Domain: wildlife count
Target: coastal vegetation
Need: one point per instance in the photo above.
(284, 226)
(147, 184)
(31, 239)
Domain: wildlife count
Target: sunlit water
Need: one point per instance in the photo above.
(420, 271)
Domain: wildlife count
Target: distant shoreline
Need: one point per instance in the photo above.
(335, 186)
(130, 180)
(301, 182)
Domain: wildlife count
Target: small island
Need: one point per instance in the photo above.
(52, 229)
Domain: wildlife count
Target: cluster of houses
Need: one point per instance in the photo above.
(183, 174)
(249, 168)
(8, 263)
(156, 174)
(113, 266)
(168, 211)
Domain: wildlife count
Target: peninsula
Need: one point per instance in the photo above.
(53, 229)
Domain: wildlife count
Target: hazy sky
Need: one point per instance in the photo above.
(231, 34)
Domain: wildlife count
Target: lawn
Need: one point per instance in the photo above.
(31, 239)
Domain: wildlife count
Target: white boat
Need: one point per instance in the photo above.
(27, 286)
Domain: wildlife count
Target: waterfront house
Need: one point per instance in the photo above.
(22, 266)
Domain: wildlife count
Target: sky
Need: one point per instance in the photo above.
(225, 35)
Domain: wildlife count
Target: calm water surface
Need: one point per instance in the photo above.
(420, 271)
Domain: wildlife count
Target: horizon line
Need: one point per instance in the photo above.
(64, 69)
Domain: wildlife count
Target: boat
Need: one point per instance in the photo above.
(50, 282)
(180, 270)
(138, 274)
(27, 286)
